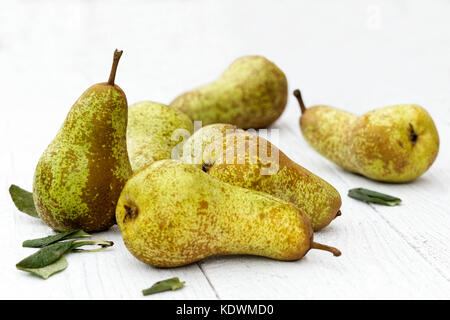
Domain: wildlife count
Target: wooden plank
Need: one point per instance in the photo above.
(422, 220)
(110, 274)
(382, 257)
(387, 252)
(376, 263)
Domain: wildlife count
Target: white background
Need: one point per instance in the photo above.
(354, 55)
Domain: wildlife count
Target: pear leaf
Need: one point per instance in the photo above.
(23, 200)
(49, 270)
(46, 256)
(78, 234)
(164, 285)
(50, 258)
(42, 242)
(373, 197)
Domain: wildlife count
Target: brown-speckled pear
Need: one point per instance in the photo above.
(79, 177)
(171, 214)
(153, 131)
(194, 146)
(392, 144)
(236, 159)
(251, 93)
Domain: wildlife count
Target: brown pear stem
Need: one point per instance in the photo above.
(334, 251)
(206, 166)
(298, 95)
(412, 134)
(339, 213)
(131, 212)
(112, 75)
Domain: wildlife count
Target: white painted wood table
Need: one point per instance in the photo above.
(355, 55)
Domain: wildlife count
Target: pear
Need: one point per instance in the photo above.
(251, 93)
(392, 144)
(171, 214)
(246, 160)
(153, 131)
(194, 146)
(79, 177)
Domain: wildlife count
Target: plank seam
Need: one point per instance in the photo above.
(209, 280)
(343, 178)
(408, 242)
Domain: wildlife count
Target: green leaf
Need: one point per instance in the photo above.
(164, 285)
(42, 242)
(51, 253)
(49, 270)
(23, 200)
(50, 259)
(79, 234)
(373, 197)
(46, 255)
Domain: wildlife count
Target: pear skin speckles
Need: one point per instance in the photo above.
(79, 177)
(185, 215)
(393, 144)
(152, 129)
(251, 93)
(194, 147)
(329, 140)
(290, 182)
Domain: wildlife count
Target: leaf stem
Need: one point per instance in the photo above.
(102, 244)
(101, 239)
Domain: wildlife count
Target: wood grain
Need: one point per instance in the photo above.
(357, 57)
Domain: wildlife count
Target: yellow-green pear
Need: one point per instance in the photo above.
(79, 177)
(251, 93)
(153, 131)
(171, 214)
(392, 144)
(193, 147)
(246, 160)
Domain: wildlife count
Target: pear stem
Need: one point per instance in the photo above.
(339, 213)
(334, 251)
(298, 95)
(112, 75)
(131, 212)
(206, 166)
(412, 134)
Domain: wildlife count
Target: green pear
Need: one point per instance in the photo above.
(153, 131)
(392, 144)
(171, 214)
(246, 160)
(195, 145)
(251, 93)
(79, 177)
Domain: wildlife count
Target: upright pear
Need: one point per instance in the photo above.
(79, 177)
(153, 131)
(392, 144)
(246, 160)
(171, 214)
(251, 93)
